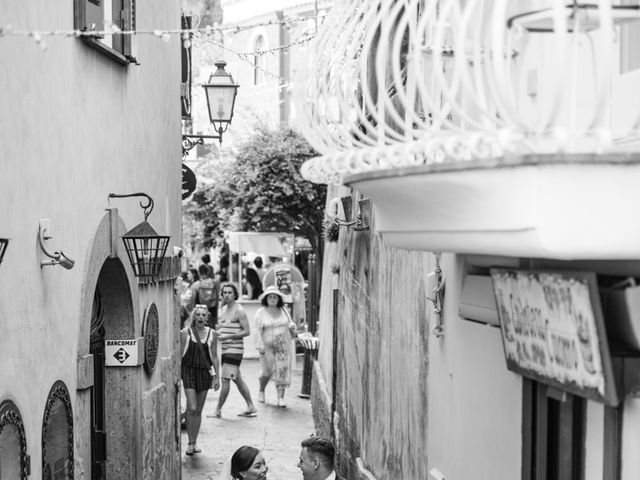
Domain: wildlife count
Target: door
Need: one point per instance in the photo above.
(98, 435)
(553, 433)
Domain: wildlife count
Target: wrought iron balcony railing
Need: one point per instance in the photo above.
(414, 82)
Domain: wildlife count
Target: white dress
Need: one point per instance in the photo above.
(274, 338)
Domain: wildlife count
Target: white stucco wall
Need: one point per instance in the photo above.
(630, 439)
(75, 126)
(475, 404)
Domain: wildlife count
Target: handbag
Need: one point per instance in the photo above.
(292, 325)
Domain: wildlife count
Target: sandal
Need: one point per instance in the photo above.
(190, 449)
(248, 413)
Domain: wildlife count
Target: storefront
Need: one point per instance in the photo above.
(277, 253)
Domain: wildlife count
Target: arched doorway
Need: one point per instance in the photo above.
(115, 391)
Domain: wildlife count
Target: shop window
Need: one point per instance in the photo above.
(98, 16)
(57, 435)
(14, 462)
(553, 433)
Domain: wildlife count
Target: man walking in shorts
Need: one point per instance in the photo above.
(233, 326)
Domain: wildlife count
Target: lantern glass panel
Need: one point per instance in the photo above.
(146, 250)
(220, 99)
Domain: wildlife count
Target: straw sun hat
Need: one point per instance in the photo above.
(271, 289)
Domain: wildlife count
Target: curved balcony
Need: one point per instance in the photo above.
(568, 207)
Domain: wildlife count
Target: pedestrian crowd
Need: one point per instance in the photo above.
(204, 329)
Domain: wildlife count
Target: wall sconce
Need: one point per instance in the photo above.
(4, 243)
(57, 258)
(144, 246)
(221, 94)
(333, 214)
(435, 294)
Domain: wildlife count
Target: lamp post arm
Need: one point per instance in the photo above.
(190, 141)
(147, 207)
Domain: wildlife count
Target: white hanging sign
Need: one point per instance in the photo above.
(124, 352)
(553, 330)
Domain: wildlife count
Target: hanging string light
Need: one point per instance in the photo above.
(164, 34)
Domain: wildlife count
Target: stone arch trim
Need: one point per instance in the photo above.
(105, 255)
(104, 244)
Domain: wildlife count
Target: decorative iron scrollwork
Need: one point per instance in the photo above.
(10, 416)
(58, 392)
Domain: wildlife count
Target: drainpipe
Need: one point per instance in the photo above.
(283, 96)
(334, 359)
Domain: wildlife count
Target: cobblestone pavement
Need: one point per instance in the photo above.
(276, 431)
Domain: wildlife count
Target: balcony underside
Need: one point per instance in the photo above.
(568, 207)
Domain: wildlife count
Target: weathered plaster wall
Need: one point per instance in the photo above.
(475, 404)
(382, 356)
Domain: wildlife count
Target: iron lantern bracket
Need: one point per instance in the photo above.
(190, 141)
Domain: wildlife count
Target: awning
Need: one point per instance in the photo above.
(269, 244)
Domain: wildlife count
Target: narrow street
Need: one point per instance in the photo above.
(276, 431)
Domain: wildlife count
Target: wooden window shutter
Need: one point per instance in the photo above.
(185, 88)
(89, 15)
(128, 23)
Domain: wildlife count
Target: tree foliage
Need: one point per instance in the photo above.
(263, 191)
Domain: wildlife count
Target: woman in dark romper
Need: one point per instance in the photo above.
(199, 369)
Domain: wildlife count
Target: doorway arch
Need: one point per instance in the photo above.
(108, 398)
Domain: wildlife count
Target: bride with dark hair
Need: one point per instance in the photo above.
(246, 463)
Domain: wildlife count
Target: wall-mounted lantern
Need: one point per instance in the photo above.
(57, 258)
(144, 246)
(4, 243)
(221, 91)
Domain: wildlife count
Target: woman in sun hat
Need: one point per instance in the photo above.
(274, 341)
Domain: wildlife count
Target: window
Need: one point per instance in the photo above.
(57, 435)
(98, 16)
(553, 433)
(258, 60)
(14, 461)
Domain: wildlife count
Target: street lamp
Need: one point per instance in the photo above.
(221, 93)
(145, 248)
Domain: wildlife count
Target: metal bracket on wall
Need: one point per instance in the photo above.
(361, 221)
(435, 294)
(190, 141)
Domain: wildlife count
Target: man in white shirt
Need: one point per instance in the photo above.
(316, 459)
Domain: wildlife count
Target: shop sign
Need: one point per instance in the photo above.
(188, 182)
(123, 353)
(150, 333)
(283, 281)
(553, 330)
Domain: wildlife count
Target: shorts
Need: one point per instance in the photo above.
(231, 366)
(198, 379)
